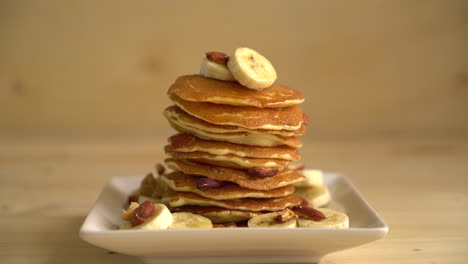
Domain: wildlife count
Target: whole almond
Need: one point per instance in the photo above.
(217, 57)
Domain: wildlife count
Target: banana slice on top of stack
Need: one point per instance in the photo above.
(251, 69)
(231, 158)
(214, 66)
(246, 66)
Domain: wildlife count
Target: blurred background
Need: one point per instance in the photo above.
(83, 86)
(368, 68)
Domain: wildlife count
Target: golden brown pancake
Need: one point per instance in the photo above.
(187, 120)
(225, 148)
(240, 177)
(180, 182)
(196, 88)
(250, 204)
(228, 160)
(262, 140)
(288, 118)
(217, 214)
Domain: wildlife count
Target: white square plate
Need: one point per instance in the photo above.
(231, 245)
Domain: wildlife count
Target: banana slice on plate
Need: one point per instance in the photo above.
(273, 220)
(215, 70)
(251, 69)
(161, 218)
(317, 196)
(334, 219)
(311, 178)
(189, 220)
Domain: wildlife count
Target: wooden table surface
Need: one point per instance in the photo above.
(419, 187)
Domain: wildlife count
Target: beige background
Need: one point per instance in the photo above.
(368, 68)
(82, 88)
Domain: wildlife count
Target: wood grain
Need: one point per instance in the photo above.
(368, 68)
(418, 187)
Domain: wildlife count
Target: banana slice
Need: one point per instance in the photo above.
(189, 220)
(251, 69)
(311, 178)
(161, 218)
(270, 220)
(334, 219)
(317, 196)
(215, 70)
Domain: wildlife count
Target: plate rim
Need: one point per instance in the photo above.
(85, 231)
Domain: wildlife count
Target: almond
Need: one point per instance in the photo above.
(217, 57)
(262, 172)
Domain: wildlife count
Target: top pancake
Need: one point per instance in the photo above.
(196, 88)
(288, 118)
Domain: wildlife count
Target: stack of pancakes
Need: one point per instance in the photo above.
(231, 159)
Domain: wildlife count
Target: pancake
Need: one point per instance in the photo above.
(218, 215)
(187, 120)
(288, 118)
(262, 140)
(228, 160)
(196, 88)
(240, 177)
(225, 148)
(180, 182)
(250, 204)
